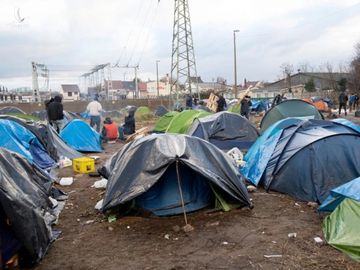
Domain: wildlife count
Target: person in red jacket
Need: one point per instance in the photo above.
(110, 130)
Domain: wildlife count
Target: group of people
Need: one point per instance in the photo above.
(221, 104)
(110, 131)
(344, 99)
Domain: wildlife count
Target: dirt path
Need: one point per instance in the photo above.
(234, 240)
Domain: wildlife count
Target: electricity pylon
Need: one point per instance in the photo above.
(183, 67)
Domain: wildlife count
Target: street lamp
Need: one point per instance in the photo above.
(157, 77)
(235, 72)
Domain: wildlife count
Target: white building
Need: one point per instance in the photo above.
(70, 92)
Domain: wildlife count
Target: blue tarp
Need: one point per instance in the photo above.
(80, 136)
(260, 152)
(348, 190)
(260, 105)
(17, 138)
(306, 160)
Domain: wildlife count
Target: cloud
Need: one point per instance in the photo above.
(72, 36)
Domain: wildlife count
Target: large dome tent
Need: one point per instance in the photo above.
(151, 180)
(289, 108)
(326, 150)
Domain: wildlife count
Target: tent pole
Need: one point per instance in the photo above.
(180, 190)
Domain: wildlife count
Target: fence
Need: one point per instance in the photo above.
(80, 106)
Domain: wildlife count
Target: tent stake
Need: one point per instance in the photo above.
(180, 191)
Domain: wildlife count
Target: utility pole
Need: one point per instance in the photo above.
(157, 78)
(183, 65)
(42, 71)
(136, 83)
(235, 69)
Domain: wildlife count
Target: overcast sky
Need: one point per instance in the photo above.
(72, 36)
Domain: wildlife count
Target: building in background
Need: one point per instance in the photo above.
(70, 92)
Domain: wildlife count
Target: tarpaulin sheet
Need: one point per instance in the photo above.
(80, 136)
(17, 138)
(341, 228)
(48, 137)
(260, 152)
(24, 198)
(131, 173)
(226, 130)
(337, 195)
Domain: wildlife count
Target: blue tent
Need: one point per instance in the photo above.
(17, 138)
(225, 130)
(260, 105)
(337, 195)
(274, 128)
(347, 123)
(80, 136)
(305, 160)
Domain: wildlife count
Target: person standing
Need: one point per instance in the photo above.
(245, 106)
(221, 103)
(94, 108)
(188, 101)
(356, 103)
(342, 102)
(352, 102)
(55, 113)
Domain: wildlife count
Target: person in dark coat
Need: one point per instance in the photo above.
(188, 101)
(47, 103)
(245, 106)
(221, 103)
(128, 127)
(56, 113)
(343, 98)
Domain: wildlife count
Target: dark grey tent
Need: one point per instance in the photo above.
(24, 202)
(151, 179)
(305, 159)
(11, 109)
(225, 130)
(161, 111)
(289, 108)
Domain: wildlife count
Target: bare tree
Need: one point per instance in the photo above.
(305, 67)
(287, 69)
(355, 70)
(331, 75)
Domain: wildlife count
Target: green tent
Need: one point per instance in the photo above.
(234, 108)
(163, 123)
(143, 113)
(342, 228)
(23, 116)
(182, 121)
(289, 108)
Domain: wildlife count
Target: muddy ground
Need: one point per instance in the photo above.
(238, 239)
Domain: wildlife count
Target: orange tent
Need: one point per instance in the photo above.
(321, 105)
